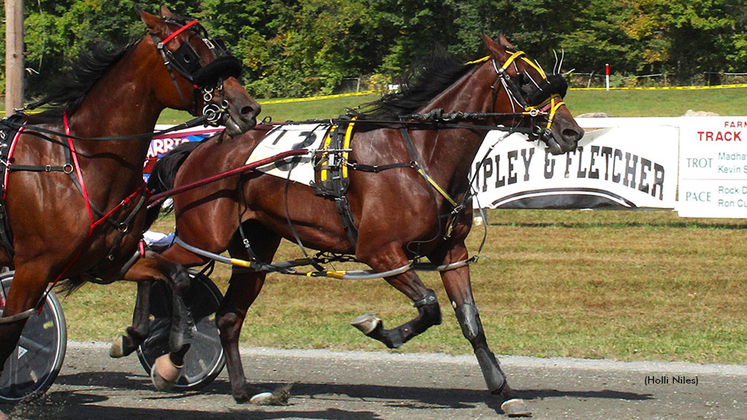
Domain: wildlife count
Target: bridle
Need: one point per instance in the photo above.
(542, 99)
(207, 79)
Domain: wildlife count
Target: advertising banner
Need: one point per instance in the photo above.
(623, 167)
(160, 145)
(713, 167)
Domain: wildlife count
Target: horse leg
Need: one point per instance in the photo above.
(135, 334)
(409, 283)
(167, 368)
(459, 289)
(243, 289)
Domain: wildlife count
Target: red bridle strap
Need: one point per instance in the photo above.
(178, 31)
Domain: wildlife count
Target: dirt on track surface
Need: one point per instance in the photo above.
(370, 386)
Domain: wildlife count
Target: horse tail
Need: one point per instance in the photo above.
(163, 174)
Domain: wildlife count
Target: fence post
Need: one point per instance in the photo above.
(607, 77)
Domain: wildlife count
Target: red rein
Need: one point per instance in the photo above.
(248, 167)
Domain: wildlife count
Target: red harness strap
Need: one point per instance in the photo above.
(178, 31)
(94, 223)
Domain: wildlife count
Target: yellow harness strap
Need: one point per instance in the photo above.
(437, 187)
(346, 145)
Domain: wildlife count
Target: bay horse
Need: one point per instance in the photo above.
(409, 197)
(73, 185)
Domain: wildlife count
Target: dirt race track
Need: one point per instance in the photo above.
(369, 386)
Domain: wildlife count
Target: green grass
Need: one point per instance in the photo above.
(658, 103)
(619, 285)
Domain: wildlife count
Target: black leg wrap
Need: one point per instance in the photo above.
(429, 314)
(469, 320)
(180, 336)
(393, 338)
(494, 377)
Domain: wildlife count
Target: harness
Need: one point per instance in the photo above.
(331, 171)
(209, 78)
(544, 98)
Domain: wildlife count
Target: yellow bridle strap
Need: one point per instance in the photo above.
(556, 102)
(555, 99)
(480, 60)
(510, 60)
(553, 110)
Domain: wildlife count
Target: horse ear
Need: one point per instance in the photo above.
(497, 49)
(152, 22)
(165, 12)
(503, 41)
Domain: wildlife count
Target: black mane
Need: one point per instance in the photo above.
(74, 86)
(425, 80)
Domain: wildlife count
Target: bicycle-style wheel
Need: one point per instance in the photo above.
(204, 361)
(35, 363)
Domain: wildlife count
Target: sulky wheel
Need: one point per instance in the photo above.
(204, 360)
(35, 363)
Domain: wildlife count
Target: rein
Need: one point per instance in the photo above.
(39, 130)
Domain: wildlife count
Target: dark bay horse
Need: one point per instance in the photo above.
(409, 196)
(73, 189)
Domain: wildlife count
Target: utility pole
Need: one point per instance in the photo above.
(14, 66)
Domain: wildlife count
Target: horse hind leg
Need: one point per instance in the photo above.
(425, 301)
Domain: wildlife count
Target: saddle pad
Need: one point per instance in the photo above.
(290, 137)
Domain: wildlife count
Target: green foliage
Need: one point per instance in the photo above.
(295, 48)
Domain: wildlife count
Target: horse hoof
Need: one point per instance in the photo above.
(516, 407)
(366, 323)
(164, 373)
(264, 398)
(117, 349)
(278, 397)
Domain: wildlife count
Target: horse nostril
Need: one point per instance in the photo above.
(573, 135)
(249, 111)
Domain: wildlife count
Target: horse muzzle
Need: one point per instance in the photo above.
(241, 111)
(562, 136)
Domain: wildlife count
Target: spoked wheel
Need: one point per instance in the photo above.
(35, 363)
(204, 361)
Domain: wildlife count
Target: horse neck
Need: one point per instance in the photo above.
(453, 150)
(123, 102)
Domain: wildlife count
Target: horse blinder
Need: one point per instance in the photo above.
(222, 67)
(536, 95)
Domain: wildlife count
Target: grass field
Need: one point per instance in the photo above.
(596, 284)
(617, 103)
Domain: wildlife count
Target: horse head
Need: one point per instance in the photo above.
(538, 97)
(203, 75)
